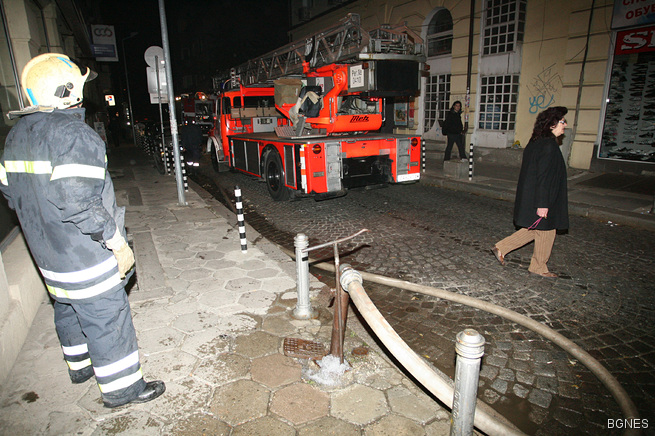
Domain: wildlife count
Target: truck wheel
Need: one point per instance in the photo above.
(214, 159)
(274, 176)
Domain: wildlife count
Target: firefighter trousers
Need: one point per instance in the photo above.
(100, 335)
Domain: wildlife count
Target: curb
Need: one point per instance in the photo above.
(596, 213)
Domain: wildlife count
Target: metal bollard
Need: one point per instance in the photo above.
(240, 220)
(469, 348)
(470, 161)
(423, 156)
(185, 181)
(303, 308)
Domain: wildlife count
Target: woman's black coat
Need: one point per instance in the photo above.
(452, 125)
(542, 183)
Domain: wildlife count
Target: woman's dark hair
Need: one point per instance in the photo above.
(546, 120)
(453, 106)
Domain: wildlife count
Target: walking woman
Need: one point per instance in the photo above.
(541, 205)
(453, 129)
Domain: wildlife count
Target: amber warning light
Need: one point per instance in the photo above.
(316, 148)
(414, 142)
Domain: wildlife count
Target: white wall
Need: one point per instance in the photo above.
(21, 293)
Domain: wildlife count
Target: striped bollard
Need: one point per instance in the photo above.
(240, 221)
(423, 150)
(470, 161)
(185, 181)
(167, 160)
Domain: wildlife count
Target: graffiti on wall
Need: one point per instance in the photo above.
(543, 88)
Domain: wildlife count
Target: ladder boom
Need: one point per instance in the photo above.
(344, 42)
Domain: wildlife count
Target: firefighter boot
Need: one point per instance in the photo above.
(152, 390)
(82, 375)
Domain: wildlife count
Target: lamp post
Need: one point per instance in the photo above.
(127, 81)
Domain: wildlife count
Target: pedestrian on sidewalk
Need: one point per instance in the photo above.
(454, 130)
(54, 174)
(541, 205)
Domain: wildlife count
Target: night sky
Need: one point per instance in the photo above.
(218, 34)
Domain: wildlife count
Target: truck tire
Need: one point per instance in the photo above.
(214, 159)
(274, 176)
(213, 145)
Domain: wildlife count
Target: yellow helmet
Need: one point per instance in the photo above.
(54, 80)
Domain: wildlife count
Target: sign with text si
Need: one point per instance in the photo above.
(635, 41)
(104, 43)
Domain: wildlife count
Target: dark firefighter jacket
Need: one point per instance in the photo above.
(54, 174)
(542, 183)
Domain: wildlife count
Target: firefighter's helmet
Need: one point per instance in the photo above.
(55, 80)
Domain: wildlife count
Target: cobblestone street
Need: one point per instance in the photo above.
(603, 300)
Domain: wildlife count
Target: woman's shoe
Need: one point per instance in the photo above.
(547, 274)
(499, 256)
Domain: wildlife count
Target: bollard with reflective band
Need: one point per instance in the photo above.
(185, 181)
(469, 348)
(423, 154)
(240, 220)
(470, 161)
(303, 308)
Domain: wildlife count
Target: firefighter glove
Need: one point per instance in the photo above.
(122, 252)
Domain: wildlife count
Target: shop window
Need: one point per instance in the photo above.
(498, 98)
(629, 125)
(504, 25)
(437, 99)
(440, 34)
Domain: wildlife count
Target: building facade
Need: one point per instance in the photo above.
(507, 60)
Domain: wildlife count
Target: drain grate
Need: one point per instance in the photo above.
(303, 349)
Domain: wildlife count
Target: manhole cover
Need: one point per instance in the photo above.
(303, 349)
(360, 351)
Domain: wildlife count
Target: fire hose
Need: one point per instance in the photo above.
(491, 420)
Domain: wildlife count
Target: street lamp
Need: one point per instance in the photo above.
(127, 81)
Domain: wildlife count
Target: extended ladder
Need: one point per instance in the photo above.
(344, 42)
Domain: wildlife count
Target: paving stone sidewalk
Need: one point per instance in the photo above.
(211, 323)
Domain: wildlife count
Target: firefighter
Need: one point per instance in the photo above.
(54, 174)
(192, 144)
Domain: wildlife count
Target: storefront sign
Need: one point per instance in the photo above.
(635, 41)
(629, 13)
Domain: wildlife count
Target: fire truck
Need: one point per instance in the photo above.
(307, 117)
(198, 108)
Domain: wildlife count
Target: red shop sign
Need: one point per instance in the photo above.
(635, 41)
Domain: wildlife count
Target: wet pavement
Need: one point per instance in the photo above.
(211, 322)
(603, 299)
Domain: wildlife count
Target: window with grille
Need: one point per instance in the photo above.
(440, 34)
(437, 98)
(498, 98)
(504, 24)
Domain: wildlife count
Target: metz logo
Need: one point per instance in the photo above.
(359, 119)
